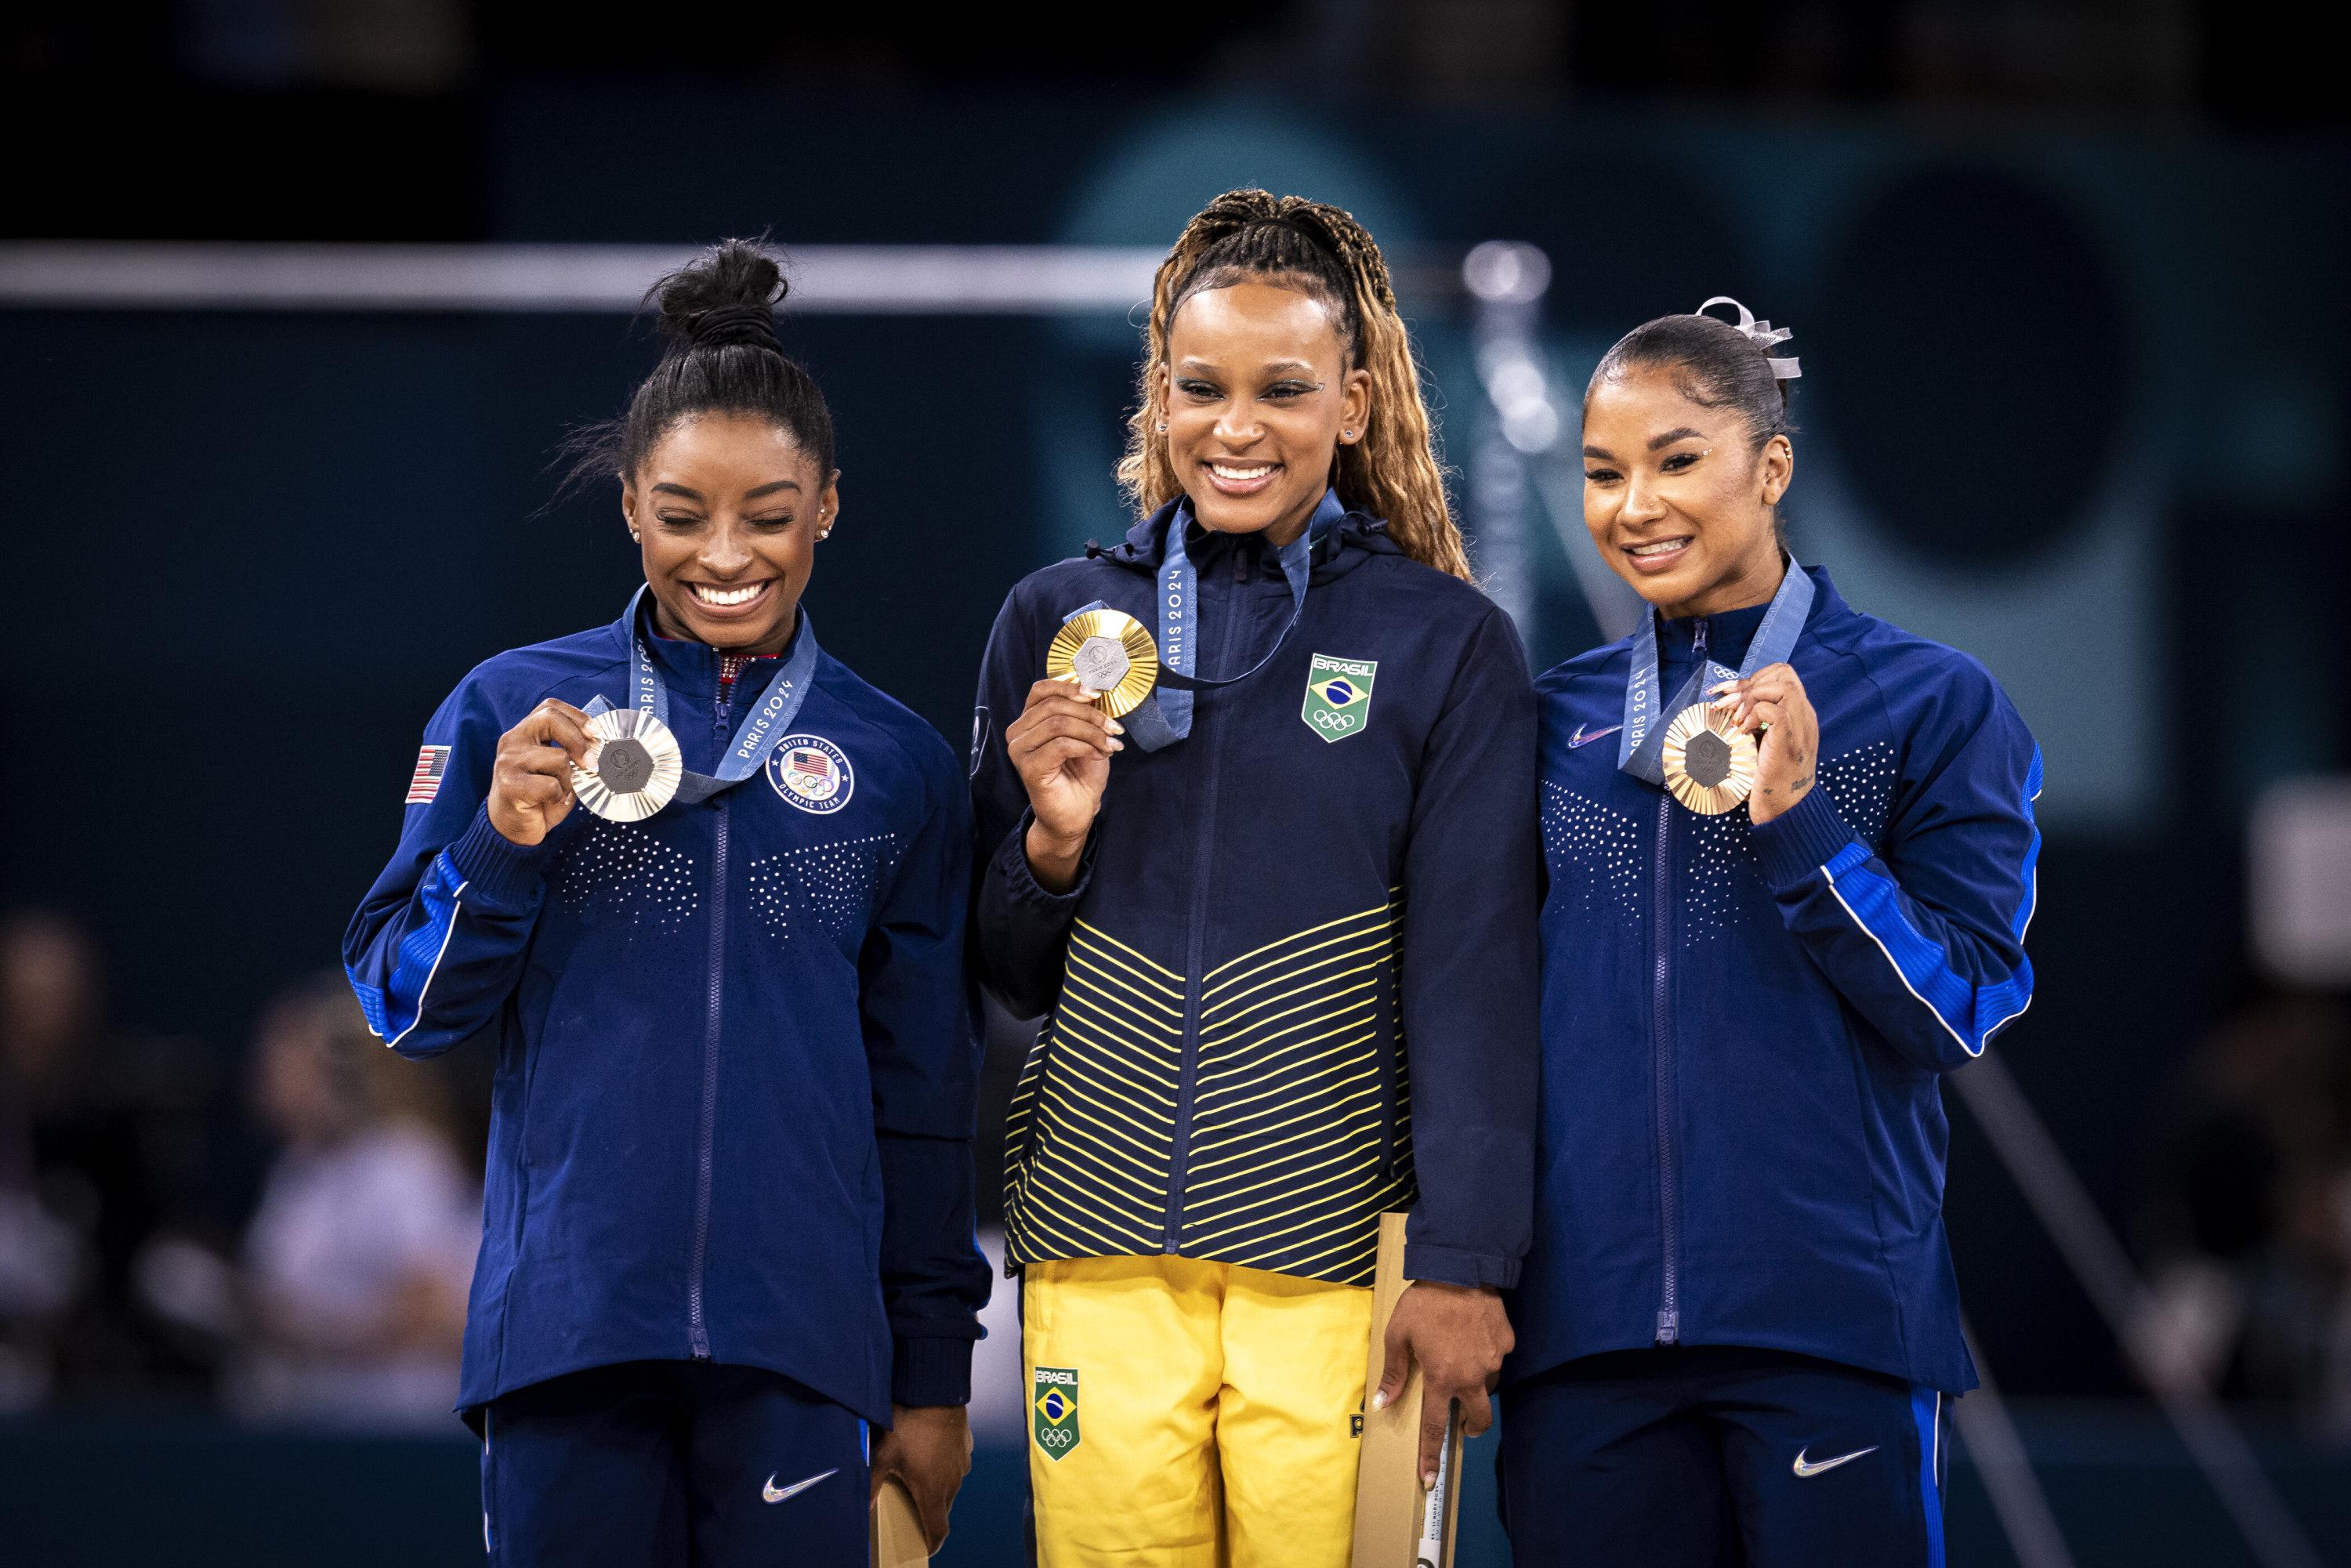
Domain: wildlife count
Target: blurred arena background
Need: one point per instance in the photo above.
(2066, 279)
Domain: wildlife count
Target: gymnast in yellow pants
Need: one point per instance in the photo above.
(1177, 1405)
(1318, 844)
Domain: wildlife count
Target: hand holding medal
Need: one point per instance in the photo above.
(1772, 707)
(530, 780)
(1099, 667)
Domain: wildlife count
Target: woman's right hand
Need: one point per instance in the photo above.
(1061, 745)
(530, 781)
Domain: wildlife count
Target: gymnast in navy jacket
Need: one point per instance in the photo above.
(1739, 1318)
(729, 1219)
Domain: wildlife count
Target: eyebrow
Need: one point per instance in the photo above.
(1669, 437)
(1280, 366)
(751, 494)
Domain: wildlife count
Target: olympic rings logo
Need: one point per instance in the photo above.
(1054, 1437)
(1334, 721)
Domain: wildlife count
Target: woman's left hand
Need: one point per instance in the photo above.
(929, 1449)
(1771, 705)
(1460, 1336)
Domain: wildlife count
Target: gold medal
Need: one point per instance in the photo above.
(633, 765)
(1709, 762)
(1110, 657)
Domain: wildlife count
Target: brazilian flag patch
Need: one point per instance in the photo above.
(1338, 695)
(1054, 1410)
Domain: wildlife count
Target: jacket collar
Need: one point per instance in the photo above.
(1739, 625)
(682, 664)
(1353, 538)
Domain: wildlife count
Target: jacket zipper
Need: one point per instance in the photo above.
(696, 1328)
(1203, 826)
(1669, 1312)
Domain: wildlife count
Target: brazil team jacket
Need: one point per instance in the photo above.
(1298, 962)
(1745, 1028)
(736, 1073)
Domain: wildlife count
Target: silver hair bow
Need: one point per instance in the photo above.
(1762, 334)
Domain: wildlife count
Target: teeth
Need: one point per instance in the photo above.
(723, 596)
(1664, 547)
(1229, 471)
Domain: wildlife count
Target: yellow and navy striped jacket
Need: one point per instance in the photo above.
(1295, 986)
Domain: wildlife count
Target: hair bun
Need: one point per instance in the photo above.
(725, 297)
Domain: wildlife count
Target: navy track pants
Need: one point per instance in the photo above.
(1715, 1456)
(672, 1464)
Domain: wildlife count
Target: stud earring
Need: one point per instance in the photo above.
(1347, 436)
(1163, 427)
(635, 538)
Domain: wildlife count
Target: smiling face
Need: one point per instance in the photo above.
(1259, 399)
(727, 508)
(1677, 497)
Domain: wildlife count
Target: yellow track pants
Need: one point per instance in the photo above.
(1188, 1414)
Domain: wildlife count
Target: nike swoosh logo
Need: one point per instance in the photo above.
(1804, 1470)
(774, 1493)
(1581, 738)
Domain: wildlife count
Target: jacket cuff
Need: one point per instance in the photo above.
(498, 870)
(1021, 882)
(926, 1371)
(1795, 845)
(1452, 1266)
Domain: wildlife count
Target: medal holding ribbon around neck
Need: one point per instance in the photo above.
(1116, 661)
(634, 766)
(1698, 754)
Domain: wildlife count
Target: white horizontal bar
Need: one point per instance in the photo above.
(826, 278)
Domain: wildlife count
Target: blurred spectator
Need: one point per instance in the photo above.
(356, 1265)
(102, 1148)
(2247, 1229)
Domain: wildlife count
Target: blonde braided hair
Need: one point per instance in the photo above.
(1393, 471)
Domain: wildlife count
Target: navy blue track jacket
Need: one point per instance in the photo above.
(1745, 1028)
(1294, 967)
(736, 1074)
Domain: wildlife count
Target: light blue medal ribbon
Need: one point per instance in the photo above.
(765, 725)
(1641, 744)
(1165, 717)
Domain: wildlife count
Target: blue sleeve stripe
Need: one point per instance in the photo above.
(1927, 1412)
(392, 1009)
(2031, 900)
(1922, 966)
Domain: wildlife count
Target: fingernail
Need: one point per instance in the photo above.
(1116, 728)
(1118, 746)
(1380, 1400)
(1428, 1481)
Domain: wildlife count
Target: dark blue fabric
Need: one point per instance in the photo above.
(1688, 1457)
(1431, 802)
(1745, 1028)
(669, 1464)
(736, 1076)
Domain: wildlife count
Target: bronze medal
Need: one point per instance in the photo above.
(1709, 762)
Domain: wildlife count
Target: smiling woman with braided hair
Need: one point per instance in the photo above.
(1278, 916)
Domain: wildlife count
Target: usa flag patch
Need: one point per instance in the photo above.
(432, 761)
